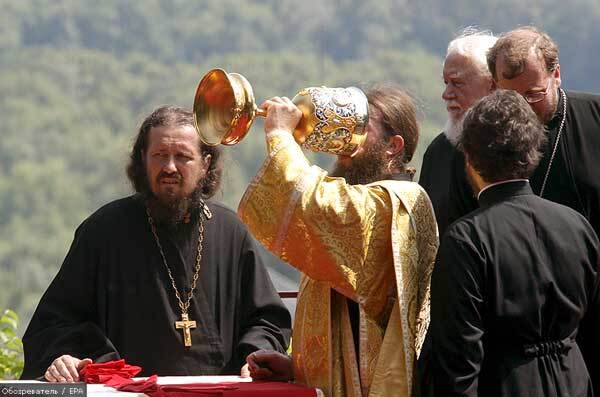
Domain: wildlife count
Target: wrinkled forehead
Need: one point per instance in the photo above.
(455, 73)
(179, 136)
(458, 65)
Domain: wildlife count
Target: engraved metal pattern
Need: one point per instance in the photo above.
(337, 120)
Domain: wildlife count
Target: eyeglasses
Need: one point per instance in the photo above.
(535, 97)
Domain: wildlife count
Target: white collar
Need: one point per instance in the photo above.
(500, 183)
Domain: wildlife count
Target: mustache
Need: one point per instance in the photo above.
(173, 175)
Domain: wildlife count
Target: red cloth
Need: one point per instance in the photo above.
(148, 385)
(103, 372)
(225, 389)
(270, 389)
(117, 374)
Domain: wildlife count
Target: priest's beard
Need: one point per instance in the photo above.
(453, 129)
(370, 166)
(172, 211)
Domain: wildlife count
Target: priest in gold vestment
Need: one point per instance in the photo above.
(365, 240)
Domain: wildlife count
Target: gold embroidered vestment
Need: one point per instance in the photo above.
(373, 244)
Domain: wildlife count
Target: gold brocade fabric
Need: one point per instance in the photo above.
(373, 244)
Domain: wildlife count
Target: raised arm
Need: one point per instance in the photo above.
(321, 225)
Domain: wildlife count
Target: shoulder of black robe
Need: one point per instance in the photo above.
(435, 177)
(585, 103)
(427, 165)
(64, 321)
(264, 321)
(572, 179)
(583, 142)
(461, 200)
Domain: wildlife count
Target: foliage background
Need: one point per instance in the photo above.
(77, 78)
(11, 347)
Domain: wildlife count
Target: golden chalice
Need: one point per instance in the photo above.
(333, 120)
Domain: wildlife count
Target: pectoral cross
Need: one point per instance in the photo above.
(185, 324)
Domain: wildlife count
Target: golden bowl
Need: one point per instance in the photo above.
(333, 120)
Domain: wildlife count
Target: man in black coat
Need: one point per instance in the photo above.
(466, 79)
(516, 282)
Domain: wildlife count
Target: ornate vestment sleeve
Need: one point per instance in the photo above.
(324, 227)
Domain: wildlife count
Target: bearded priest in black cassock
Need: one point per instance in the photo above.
(517, 281)
(163, 279)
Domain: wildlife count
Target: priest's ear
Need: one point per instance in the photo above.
(395, 145)
(556, 75)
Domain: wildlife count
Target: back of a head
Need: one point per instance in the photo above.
(398, 115)
(502, 137)
(514, 48)
(473, 44)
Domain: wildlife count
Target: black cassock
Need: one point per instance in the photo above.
(113, 298)
(515, 283)
(574, 177)
(436, 175)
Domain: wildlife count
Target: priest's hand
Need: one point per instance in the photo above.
(66, 369)
(245, 372)
(282, 114)
(271, 365)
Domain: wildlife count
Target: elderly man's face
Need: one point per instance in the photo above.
(536, 84)
(465, 84)
(174, 164)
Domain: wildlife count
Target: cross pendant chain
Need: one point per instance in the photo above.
(185, 325)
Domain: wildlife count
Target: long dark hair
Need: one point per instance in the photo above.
(398, 116)
(171, 116)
